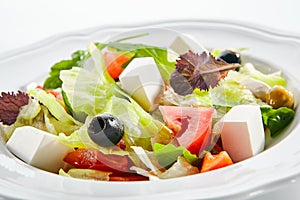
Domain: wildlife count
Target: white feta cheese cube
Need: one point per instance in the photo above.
(242, 132)
(142, 80)
(183, 43)
(38, 148)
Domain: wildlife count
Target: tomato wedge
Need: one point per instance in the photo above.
(114, 62)
(192, 126)
(94, 159)
(212, 162)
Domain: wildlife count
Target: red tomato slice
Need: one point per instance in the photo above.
(114, 62)
(94, 159)
(192, 126)
(212, 162)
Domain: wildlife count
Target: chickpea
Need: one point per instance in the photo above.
(278, 96)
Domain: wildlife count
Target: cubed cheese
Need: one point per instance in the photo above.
(183, 43)
(38, 148)
(242, 132)
(142, 80)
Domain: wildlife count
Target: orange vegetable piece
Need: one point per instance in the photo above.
(114, 62)
(212, 162)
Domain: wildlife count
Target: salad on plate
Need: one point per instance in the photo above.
(123, 111)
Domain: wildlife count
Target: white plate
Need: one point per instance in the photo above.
(277, 165)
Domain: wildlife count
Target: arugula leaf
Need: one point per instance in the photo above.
(198, 71)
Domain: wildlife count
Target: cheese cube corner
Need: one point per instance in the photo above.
(142, 80)
(183, 43)
(38, 148)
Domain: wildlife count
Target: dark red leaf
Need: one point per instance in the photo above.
(198, 71)
(10, 106)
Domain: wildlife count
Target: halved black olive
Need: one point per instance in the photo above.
(230, 56)
(106, 130)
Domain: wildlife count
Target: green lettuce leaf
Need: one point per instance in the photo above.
(86, 90)
(92, 91)
(276, 119)
(77, 59)
(197, 98)
(168, 154)
(140, 127)
(54, 107)
(230, 93)
(270, 79)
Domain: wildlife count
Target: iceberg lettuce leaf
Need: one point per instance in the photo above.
(91, 91)
(231, 92)
(270, 79)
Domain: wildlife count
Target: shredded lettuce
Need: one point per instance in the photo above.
(230, 93)
(197, 98)
(270, 79)
(54, 107)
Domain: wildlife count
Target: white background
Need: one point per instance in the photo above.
(25, 22)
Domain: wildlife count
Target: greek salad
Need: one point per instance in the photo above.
(122, 111)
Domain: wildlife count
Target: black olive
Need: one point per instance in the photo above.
(230, 56)
(106, 130)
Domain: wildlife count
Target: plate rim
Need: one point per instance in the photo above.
(86, 32)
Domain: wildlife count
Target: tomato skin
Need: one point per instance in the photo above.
(114, 62)
(191, 126)
(127, 177)
(94, 159)
(216, 161)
